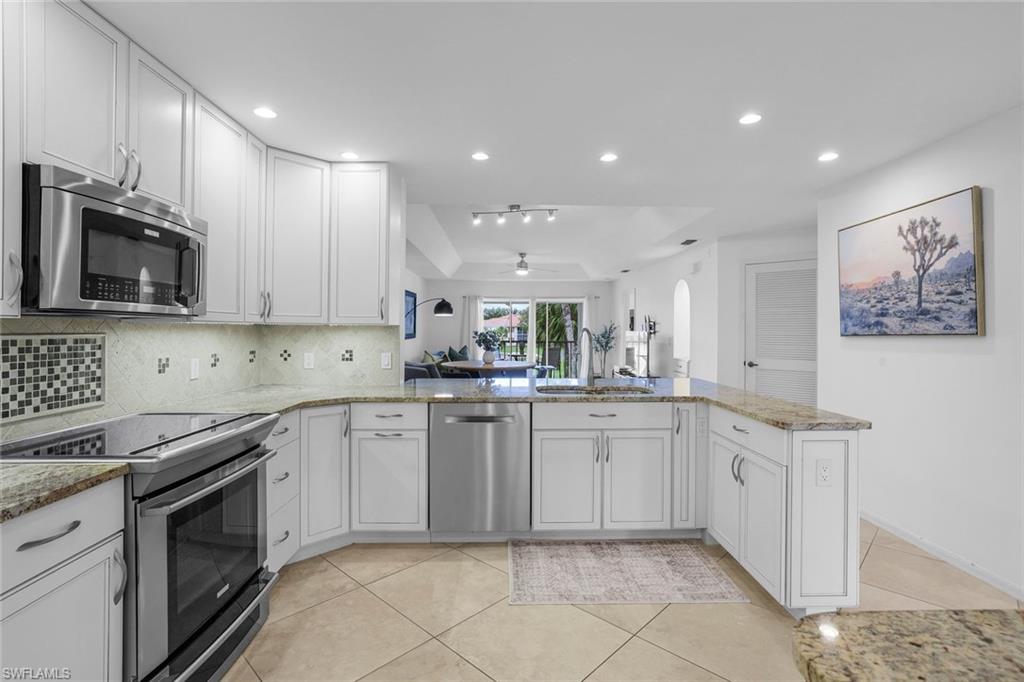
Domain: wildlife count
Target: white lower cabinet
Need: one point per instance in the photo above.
(615, 479)
(684, 466)
(283, 534)
(69, 620)
(748, 511)
(323, 444)
(389, 480)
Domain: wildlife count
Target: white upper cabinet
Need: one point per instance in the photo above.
(76, 90)
(159, 129)
(297, 245)
(219, 199)
(359, 243)
(255, 229)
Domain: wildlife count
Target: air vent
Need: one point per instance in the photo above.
(687, 242)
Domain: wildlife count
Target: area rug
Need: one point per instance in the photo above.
(616, 572)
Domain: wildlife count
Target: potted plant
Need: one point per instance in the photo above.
(488, 340)
(604, 342)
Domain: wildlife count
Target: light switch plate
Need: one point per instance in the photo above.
(385, 360)
(193, 369)
(307, 361)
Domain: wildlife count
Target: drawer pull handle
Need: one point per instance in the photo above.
(739, 430)
(73, 526)
(389, 416)
(603, 416)
(280, 432)
(388, 435)
(282, 477)
(124, 576)
(281, 539)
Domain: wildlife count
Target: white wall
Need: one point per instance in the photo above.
(437, 333)
(944, 460)
(655, 286)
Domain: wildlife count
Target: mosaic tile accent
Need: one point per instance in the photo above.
(214, 359)
(47, 374)
(285, 355)
(162, 364)
(252, 357)
(347, 356)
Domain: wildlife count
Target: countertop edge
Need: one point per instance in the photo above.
(106, 472)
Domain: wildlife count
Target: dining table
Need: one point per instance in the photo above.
(489, 369)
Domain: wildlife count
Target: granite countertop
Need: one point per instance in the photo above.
(283, 398)
(905, 645)
(25, 487)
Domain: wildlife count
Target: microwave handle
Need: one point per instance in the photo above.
(189, 299)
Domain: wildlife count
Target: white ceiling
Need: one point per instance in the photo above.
(545, 88)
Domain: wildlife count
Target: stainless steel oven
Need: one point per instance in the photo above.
(89, 247)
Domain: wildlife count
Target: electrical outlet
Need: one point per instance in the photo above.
(193, 369)
(702, 426)
(823, 473)
(307, 361)
(385, 360)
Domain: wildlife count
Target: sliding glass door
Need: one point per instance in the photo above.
(556, 337)
(511, 320)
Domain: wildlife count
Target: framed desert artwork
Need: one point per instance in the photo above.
(919, 271)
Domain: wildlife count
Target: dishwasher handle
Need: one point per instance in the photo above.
(480, 419)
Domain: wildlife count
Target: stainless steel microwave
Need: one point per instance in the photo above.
(92, 248)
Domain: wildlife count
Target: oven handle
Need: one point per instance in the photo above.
(238, 622)
(165, 509)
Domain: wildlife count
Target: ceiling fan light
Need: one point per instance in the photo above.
(523, 271)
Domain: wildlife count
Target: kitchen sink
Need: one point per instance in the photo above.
(595, 390)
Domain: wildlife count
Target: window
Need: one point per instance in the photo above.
(511, 320)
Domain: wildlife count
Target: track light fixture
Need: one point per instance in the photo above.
(515, 208)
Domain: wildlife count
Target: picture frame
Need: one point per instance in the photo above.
(410, 314)
(918, 271)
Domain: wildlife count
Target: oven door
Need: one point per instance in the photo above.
(97, 256)
(199, 545)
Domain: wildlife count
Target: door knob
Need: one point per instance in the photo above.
(751, 363)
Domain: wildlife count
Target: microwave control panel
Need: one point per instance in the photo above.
(123, 289)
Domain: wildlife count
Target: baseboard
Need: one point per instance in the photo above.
(965, 565)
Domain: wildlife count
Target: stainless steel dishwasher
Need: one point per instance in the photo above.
(479, 466)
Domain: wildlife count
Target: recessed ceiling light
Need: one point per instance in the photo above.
(481, 156)
(750, 118)
(828, 156)
(265, 112)
(350, 156)
(608, 157)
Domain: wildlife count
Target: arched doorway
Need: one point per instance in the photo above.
(681, 329)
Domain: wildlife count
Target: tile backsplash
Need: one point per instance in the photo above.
(147, 363)
(44, 375)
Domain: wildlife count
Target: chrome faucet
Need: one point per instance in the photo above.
(590, 355)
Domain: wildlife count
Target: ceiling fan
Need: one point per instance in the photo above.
(523, 268)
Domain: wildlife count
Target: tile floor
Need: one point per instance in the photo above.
(439, 612)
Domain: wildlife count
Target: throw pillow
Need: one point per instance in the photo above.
(461, 354)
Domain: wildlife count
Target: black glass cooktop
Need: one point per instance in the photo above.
(135, 436)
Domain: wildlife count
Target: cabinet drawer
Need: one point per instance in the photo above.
(283, 476)
(602, 415)
(390, 416)
(98, 513)
(759, 437)
(283, 535)
(286, 430)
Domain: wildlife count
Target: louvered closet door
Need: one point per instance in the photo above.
(781, 330)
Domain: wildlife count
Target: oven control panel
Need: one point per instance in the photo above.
(109, 288)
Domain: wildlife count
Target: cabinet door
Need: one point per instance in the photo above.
(68, 619)
(159, 129)
(637, 479)
(255, 229)
(298, 190)
(684, 467)
(389, 477)
(76, 89)
(762, 520)
(220, 201)
(11, 41)
(323, 447)
(724, 493)
(359, 243)
(566, 479)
